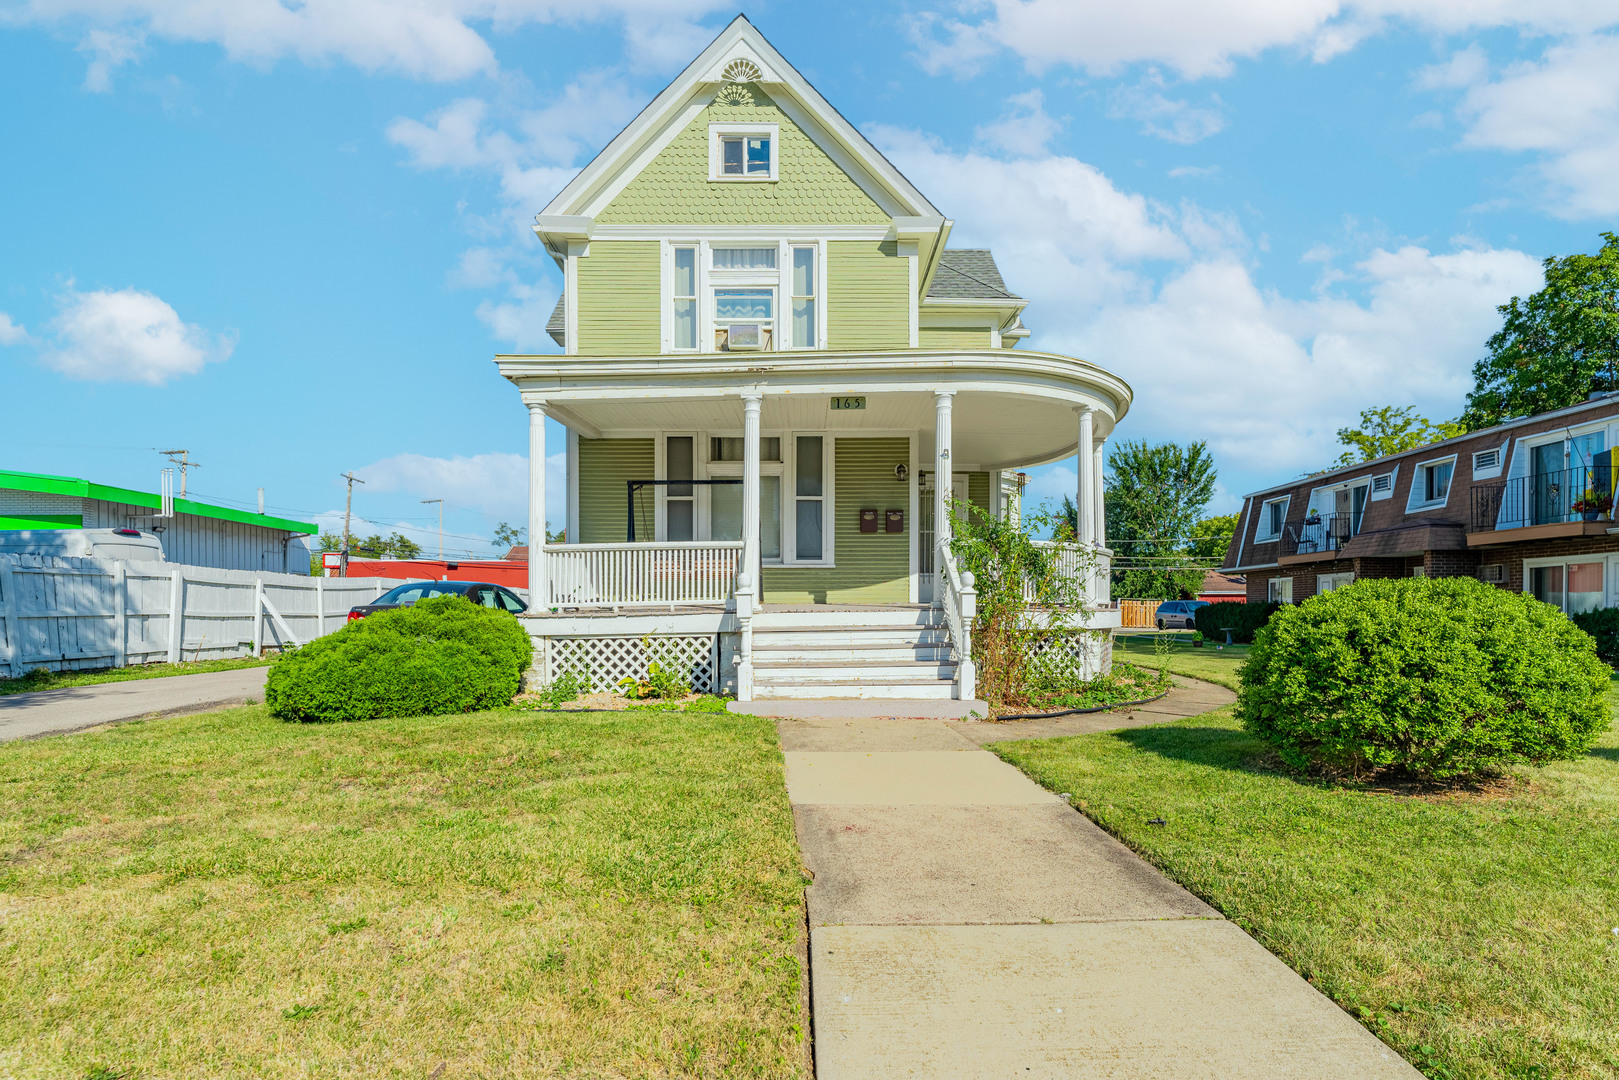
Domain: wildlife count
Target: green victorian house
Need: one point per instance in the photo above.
(775, 373)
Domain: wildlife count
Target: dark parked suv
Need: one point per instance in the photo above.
(1179, 614)
(479, 592)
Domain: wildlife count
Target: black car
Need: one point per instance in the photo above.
(1180, 614)
(479, 592)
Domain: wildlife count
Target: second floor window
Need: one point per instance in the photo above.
(1436, 481)
(804, 292)
(744, 309)
(685, 298)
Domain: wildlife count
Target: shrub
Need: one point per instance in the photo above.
(1603, 626)
(1442, 678)
(1244, 619)
(443, 655)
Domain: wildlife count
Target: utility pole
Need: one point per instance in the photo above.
(348, 507)
(440, 523)
(184, 461)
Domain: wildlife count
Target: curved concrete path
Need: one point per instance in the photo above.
(965, 923)
(73, 708)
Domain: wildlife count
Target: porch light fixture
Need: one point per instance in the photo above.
(902, 472)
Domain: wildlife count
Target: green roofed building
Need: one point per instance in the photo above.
(196, 534)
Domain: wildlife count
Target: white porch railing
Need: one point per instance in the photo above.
(610, 575)
(1086, 568)
(960, 603)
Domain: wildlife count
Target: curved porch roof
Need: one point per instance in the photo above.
(1013, 409)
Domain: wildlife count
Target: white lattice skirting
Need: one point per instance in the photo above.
(1081, 654)
(603, 661)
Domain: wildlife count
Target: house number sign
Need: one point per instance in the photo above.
(848, 403)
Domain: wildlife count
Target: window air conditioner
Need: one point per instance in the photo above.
(744, 336)
(1494, 573)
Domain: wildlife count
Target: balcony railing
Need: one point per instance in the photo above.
(611, 575)
(1584, 493)
(1314, 536)
(1086, 569)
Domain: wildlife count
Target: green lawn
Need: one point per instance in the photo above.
(1216, 664)
(501, 894)
(41, 679)
(1472, 931)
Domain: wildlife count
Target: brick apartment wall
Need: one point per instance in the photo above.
(1512, 555)
(1451, 563)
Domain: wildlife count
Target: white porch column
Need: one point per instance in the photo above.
(1085, 496)
(1098, 471)
(943, 402)
(539, 592)
(997, 503)
(750, 583)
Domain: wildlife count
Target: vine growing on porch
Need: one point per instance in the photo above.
(1030, 606)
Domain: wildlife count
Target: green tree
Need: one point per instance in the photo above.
(506, 536)
(1211, 538)
(1388, 430)
(1155, 497)
(1557, 346)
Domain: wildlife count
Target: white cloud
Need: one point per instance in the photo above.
(426, 39)
(128, 336)
(1564, 108)
(1199, 38)
(495, 485)
(11, 333)
(1162, 117)
(1194, 172)
(1166, 297)
(1024, 128)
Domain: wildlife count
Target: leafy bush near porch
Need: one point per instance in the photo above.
(1441, 678)
(1244, 620)
(440, 656)
(1603, 626)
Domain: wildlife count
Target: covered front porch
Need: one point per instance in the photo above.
(706, 492)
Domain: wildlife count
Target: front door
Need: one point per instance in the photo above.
(925, 532)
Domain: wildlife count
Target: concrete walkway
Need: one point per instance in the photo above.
(966, 923)
(54, 712)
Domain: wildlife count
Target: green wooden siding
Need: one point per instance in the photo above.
(868, 289)
(604, 465)
(619, 293)
(674, 187)
(872, 568)
(978, 490)
(953, 337)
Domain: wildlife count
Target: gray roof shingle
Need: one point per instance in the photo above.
(557, 325)
(969, 274)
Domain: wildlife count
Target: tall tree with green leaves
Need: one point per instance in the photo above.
(1390, 430)
(1557, 346)
(1211, 538)
(1156, 495)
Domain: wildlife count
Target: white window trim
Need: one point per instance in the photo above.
(717, 131)
(1264, 517)
(1334, 577)
(789, 521)
(1373, 495)
(1414, 503)
(1608, 573)
(1500, 462)
(784, 296)
(1269, 590)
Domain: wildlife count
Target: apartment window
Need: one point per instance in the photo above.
(1572, 587)
(1436, 481)
(679, 501)
(804, 294)
(1272, 515)
(809, 497)
(1281, 590)
(685, 298)
(743, 258)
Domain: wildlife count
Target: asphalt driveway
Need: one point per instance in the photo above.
(73, 708)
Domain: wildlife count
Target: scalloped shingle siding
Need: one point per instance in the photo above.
(674, 187)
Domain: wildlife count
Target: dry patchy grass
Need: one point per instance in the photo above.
(501, 894)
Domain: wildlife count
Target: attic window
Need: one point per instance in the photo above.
(742, 151)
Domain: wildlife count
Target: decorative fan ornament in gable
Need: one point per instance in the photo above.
(741, 71)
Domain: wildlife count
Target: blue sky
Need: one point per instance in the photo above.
(291, 238)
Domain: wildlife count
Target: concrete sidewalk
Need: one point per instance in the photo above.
(54, 712)
(965, 922)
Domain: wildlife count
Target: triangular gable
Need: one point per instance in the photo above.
(671, 114)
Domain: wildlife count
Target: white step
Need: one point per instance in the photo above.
(767, 651)
(930, 689)
(841, 671)
(808, 637)
(920, 616)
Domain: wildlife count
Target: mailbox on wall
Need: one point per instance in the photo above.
(868, 521)
(894, 521)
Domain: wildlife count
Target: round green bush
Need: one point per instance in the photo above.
(1443, 678)
(443, 655)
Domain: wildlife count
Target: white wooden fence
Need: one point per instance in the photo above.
(68, 613)
(608, 575)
